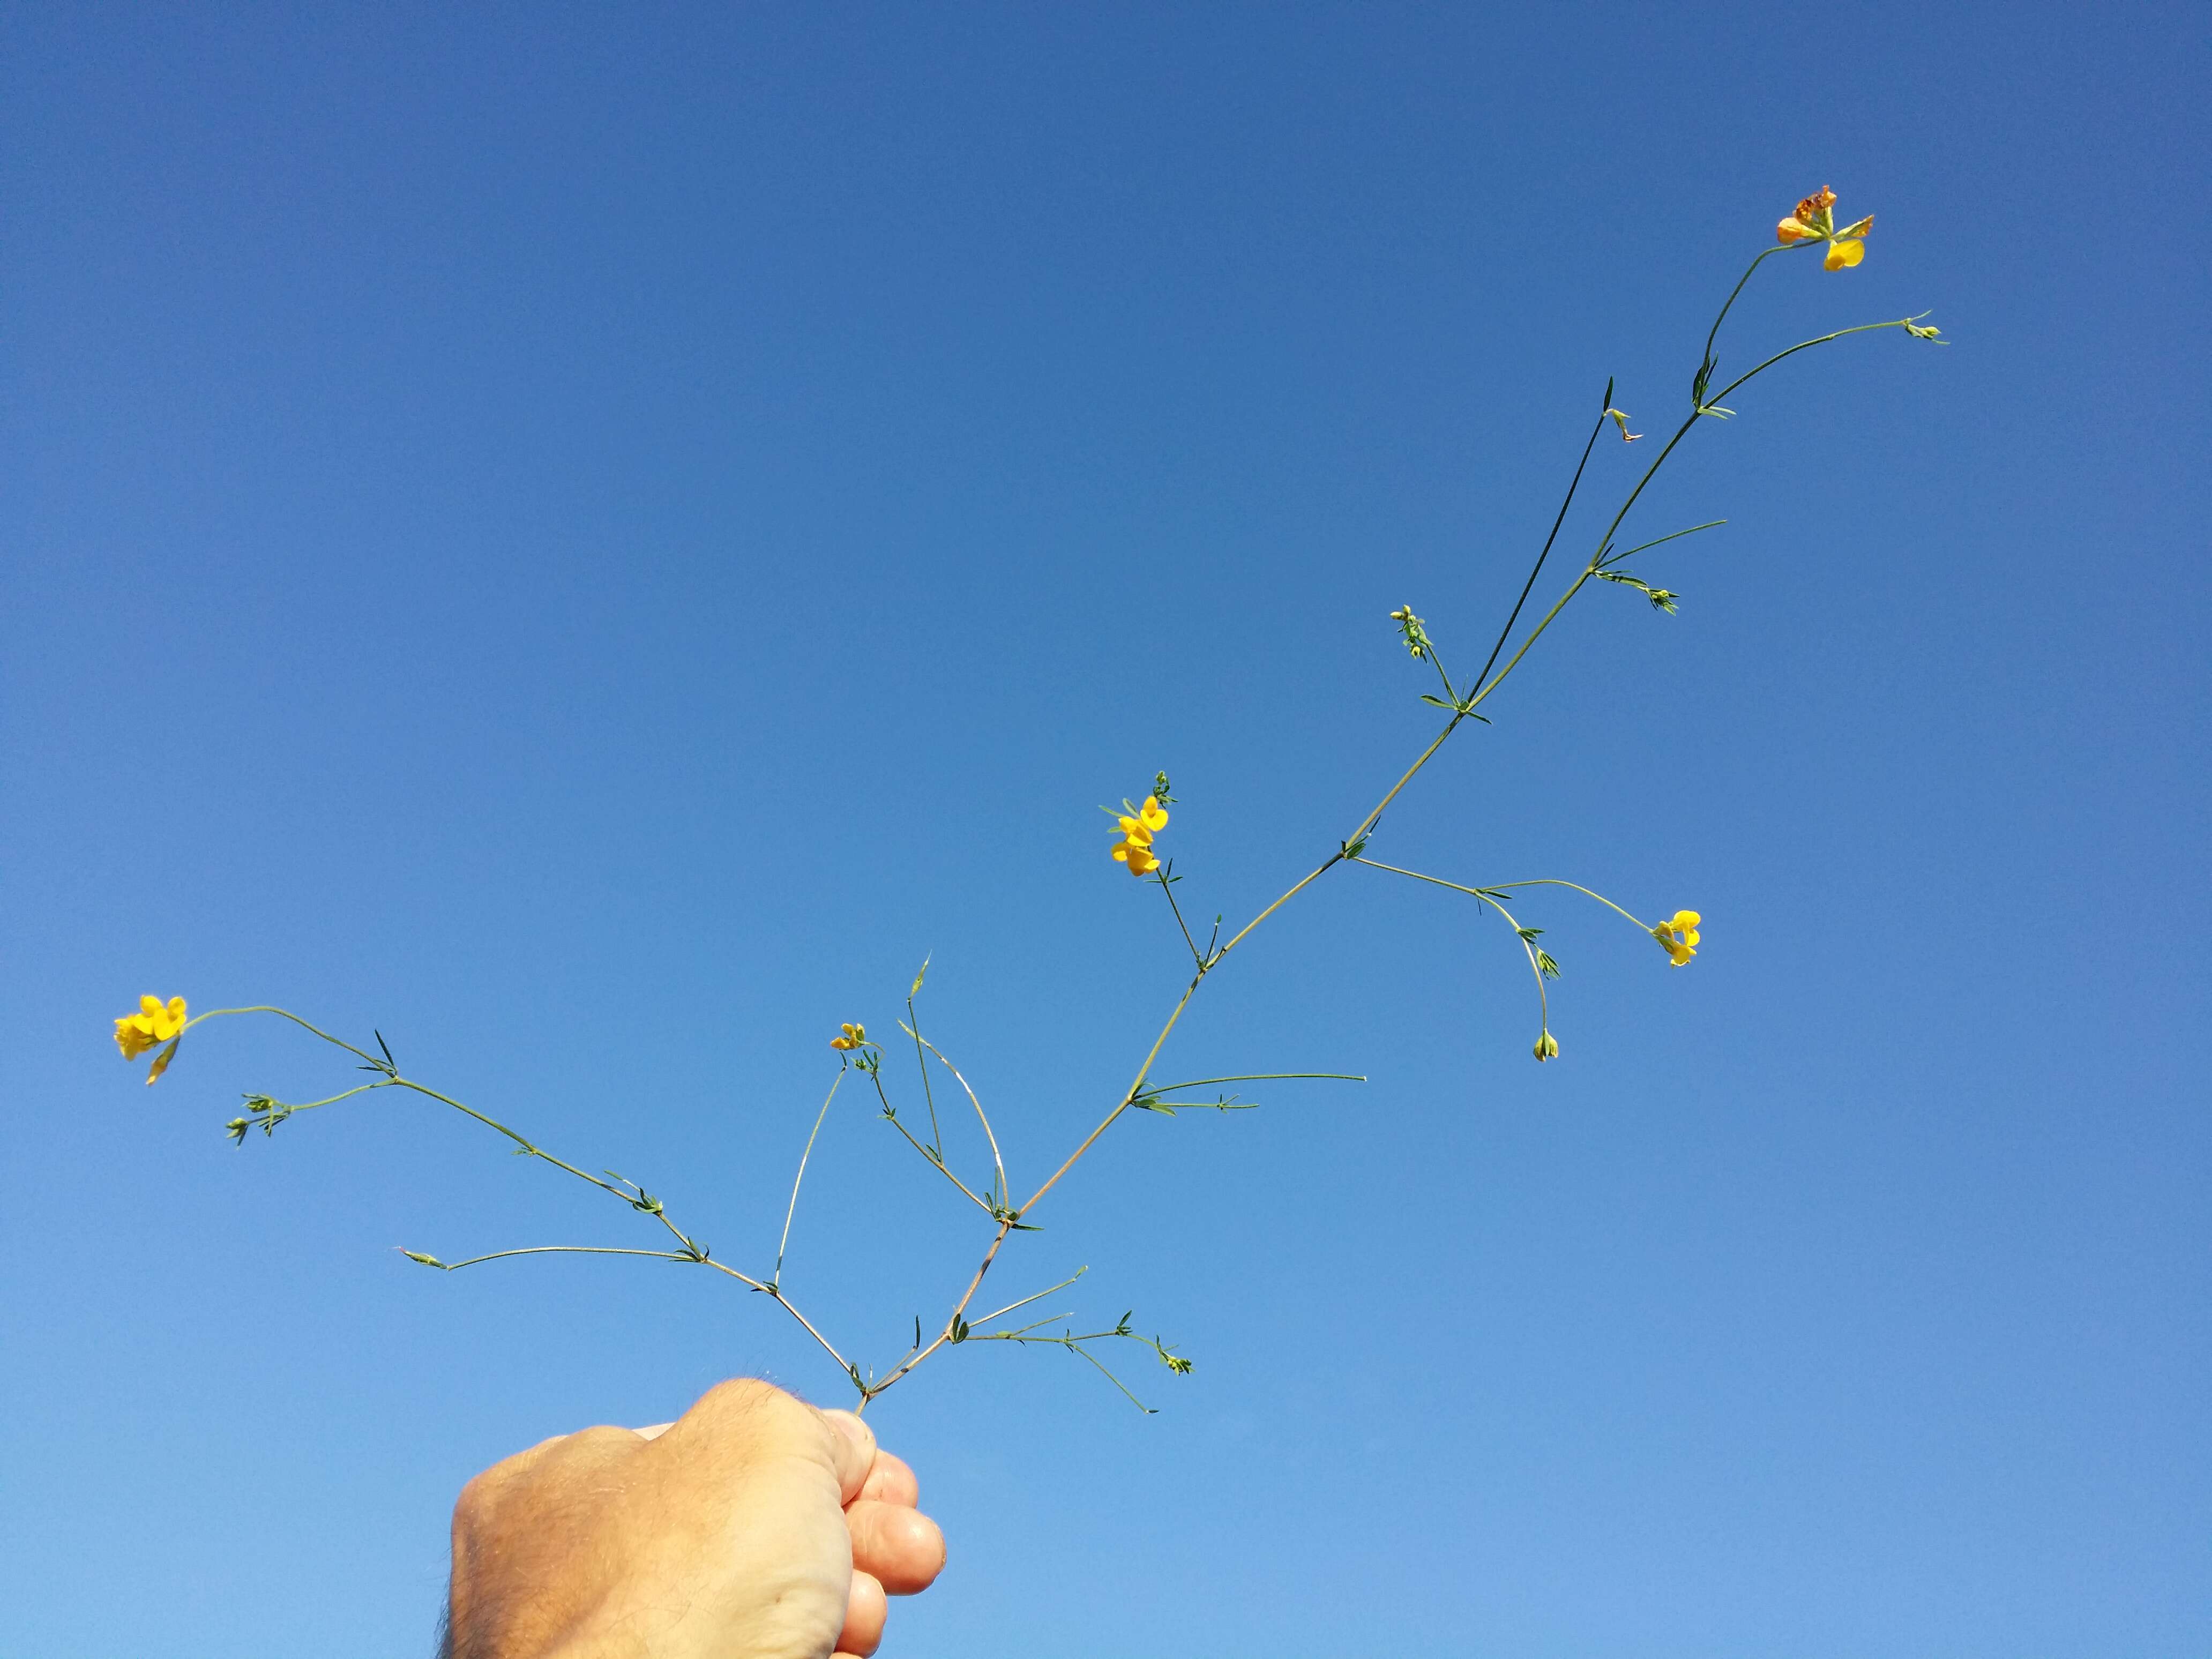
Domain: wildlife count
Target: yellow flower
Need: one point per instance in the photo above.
(1138, 857)
(854, 1037)
(1679, 936)
(1621, 420)
(152, 1025)
(1137, 827)
(1547, 1047)
(1814, 219)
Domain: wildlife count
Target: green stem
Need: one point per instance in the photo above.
(1257, 1076)
(997, 1163)
(1805, 345)
(792, 1209)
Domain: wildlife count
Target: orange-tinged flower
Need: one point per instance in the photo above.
(1814, 221)
(155, 1023)
(852, 1036)
(1678, 935)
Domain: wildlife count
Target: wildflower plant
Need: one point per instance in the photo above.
(1140, 847)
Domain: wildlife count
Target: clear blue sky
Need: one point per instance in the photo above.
(591, 539)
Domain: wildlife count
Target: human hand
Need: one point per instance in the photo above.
(754, 1527)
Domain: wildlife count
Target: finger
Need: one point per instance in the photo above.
(865, 1612)
(892, 1481)
(854, 1448)
(898, 1547)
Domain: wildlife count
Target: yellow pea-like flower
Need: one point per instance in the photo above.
(1141, 859)
(1137, 829)
(1151, 817)
(1678, 936)
(155, 1023)
(850, 1036)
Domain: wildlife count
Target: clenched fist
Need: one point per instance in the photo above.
(753, 1528)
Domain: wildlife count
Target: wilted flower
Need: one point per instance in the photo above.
(1547, 1047)
(1815, 219)
(1679, 935)
(1620, 419)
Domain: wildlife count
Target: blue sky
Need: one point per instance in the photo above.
(592, 540)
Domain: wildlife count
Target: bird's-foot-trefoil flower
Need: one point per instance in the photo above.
(1620, 418)
(155, 1023)
(1814, 220)
(851, 1036)
(1678, 935)
(1139, 825)
(1547, 1047)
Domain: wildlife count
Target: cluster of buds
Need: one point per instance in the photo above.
(1409, 626)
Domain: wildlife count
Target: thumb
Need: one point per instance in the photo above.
(853, 1447)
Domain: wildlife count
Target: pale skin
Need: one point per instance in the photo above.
(753, 1527)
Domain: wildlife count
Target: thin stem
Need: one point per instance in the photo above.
(1136, 1086)
(286, 1013)
(1026, 1300)
(1365, 826)
(1805, 345)
(1437, 663)
(782, 1302)
(792, 1209)
(1549, 881)
(519, 1139)
(1485, 893)
(1257, 1076)
(1713, 334)
(913, 1029)
(284, 1109)
(1612, 559)
(1543, 998)
(996, 1162)
(1006, 1226)
(1167, 887)
(934, 1159)
(565, 1249)
(1506, 632)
